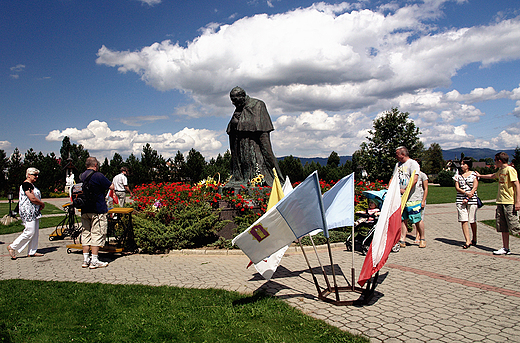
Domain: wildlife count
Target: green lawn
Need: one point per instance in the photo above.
(44, 222)
(442, 195)
(38, 311)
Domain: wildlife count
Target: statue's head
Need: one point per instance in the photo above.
(238, 97)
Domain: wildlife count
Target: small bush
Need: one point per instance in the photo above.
(445, 178)
(179, 227)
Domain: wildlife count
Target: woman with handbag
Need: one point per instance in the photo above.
(30, 205)
(466, 184)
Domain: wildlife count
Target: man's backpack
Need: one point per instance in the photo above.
(81, 193)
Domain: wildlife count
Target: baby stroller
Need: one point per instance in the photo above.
(364, 227)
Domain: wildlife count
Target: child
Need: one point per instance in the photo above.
(370, 214)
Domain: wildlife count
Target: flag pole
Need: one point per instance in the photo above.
(310, 269)
(326, 233)
(353, 242)
(321, 265)
(353, 269)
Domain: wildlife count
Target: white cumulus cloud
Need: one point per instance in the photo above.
(101, 141)
(335, 62)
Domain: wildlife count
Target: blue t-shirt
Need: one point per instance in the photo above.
(99, 185)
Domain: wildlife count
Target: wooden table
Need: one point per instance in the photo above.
(123, 242)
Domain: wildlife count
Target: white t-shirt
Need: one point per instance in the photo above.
(120, 181)
(404, 171)
(419, 185)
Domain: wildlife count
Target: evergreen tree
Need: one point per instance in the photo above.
(16, 174)
(333, 159)
(134, 165)
(291, 167)
(433, 161)
(195, 165)
(309, 168)
(76, 152)
(153, 166)
(179, 167)
(105, 168)
(4, 162)
(52, 176)
(115, 166)
(216, 168)
(516, 159)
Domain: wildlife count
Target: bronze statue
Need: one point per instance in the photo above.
(249, 140)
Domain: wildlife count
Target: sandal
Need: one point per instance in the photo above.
(474, 242)
(465, 246)
(12, 253)
(36, 254)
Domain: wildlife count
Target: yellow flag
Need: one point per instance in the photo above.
(404, 197)
(276, 192)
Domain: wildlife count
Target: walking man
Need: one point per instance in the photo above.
(120, 182)
(94, 214)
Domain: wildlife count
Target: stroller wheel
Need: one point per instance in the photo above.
(396, 248)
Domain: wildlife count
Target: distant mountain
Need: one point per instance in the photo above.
(448, 154)
(476, 153)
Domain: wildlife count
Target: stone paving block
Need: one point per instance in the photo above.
(448, 287)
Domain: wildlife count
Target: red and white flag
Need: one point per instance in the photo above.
(386, 233)
(112, 194)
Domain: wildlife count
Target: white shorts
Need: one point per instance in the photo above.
(467, 213)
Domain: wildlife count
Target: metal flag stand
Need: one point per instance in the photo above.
(366, 293)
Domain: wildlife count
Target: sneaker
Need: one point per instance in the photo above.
(502, 251)
(98, 264)
(85, 264)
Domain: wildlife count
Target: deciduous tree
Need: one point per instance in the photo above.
(390, 130)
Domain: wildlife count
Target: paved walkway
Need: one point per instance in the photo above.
(442, 293)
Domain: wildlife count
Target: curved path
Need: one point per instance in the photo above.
(441, 293)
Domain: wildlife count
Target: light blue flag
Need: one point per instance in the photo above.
(294, 216)
(338, 203)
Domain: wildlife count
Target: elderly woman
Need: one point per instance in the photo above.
(30, 205)
(466, 185)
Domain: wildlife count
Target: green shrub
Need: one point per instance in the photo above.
(335, 236)
(179, 227)
(485, 171)
(445, 178)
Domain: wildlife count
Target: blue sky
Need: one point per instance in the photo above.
(115, 75)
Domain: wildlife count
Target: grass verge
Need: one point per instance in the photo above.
(44, 222)
(69, 311)
(444, 195)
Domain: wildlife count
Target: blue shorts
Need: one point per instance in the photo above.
(412, 212)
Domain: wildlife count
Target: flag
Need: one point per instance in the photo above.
(338, 203)
(268, 266)
(287, 187)
(404, 197)
(297, 214)
(386, 234)
(112, 194)
(276, 191)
